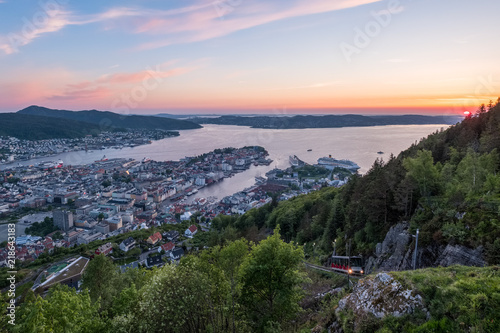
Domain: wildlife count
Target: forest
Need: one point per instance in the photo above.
(242, 287)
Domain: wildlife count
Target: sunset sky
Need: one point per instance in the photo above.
(250, 56)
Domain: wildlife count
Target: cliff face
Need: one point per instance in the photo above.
(395, 253)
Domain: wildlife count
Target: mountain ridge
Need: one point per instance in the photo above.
(107, 120)
(326, 121)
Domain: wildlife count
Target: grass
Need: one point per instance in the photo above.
(67, 273)
(459, 298)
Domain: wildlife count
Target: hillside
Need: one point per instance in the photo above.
(31, 127)
(327, 121)
(447, 186)
(107, 120)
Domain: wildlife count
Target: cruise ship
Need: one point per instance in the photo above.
(331, 163)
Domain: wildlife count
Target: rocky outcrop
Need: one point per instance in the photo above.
(461, 255)
(378, 297)
(392, 253)
(395, 253)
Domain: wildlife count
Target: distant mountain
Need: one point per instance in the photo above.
(31, 127)
(327, 121)
(184, 116)
(108, 120)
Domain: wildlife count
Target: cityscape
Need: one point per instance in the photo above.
(231, 166)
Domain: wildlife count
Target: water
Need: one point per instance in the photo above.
(359, 144)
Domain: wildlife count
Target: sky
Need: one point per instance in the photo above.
(250, 56)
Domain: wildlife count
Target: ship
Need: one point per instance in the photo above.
(50, 165)
(380, 152)
(103, 159)
(331, 163)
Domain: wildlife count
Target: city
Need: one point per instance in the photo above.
(89, 204)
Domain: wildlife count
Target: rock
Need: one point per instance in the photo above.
(461, 255)
(331, 292)
(391, 254)
(380, 296)
(395, 253)
(335, 327)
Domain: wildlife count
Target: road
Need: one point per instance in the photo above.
(145, 255)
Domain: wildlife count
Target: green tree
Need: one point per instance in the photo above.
(271, 282)
(231, 258)
(175, 300)
(423, 172)
(63, 310)
(101, 279)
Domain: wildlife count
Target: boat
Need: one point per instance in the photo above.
(380, 152)
(50, 165)
(331, 163)
(103, 159)
(309, 149)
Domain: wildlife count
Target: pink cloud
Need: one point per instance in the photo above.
(204, 19)
(89, 93)
(207, 23)
(109, 84)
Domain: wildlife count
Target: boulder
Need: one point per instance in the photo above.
(378, 297)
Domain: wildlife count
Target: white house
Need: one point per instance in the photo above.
(191, 231)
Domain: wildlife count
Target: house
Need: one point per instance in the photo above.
(176, 253)
(154, 261)
(172, 235)
(132, 265)
(104, 249)
(154, 238)
(127, 244)
(191, 231)
(166, 247)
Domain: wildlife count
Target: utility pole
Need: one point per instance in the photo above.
(415, 252)
(348, 264)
